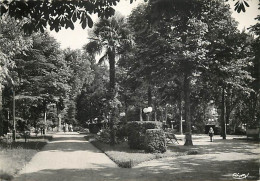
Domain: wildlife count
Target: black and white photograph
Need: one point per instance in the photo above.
(129, 90)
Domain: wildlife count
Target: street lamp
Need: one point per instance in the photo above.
(122, 114)
(147, 111)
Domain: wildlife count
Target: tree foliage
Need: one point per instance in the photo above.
(57, 14)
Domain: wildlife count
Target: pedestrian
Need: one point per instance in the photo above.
(70, 126)
(211, 134)
(64, 127)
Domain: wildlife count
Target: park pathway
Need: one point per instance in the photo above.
(69, 157)
(66, 157)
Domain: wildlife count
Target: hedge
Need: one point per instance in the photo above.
(136, 132)
(155, 141)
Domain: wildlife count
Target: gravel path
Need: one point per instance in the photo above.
(65, 154)
(70, 158)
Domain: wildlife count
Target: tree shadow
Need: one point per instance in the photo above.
(185, 169)
(221, 146)
(70, 144)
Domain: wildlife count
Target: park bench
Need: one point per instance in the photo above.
(170, 136)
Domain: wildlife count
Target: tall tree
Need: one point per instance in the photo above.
(79, 74)
(59, 14)
(177, 44)
(12, 42)
(42, 73)
(92, 101)
(110, 36)
(229, 57)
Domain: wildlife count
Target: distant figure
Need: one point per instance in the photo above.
(66, 127)
(211, 134)
(70, 128)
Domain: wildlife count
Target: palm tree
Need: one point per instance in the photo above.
(110, 37)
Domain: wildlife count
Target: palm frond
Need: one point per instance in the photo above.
(103, 58)
(93, 47)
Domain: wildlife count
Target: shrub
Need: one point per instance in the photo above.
(155, 141)
(136, 132)
(104, 136)
(94, 128)
(121, 132)
(126, 164)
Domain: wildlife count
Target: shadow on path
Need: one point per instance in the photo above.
(174, 169)
(71, 158)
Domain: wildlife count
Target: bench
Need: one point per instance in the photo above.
(170, 137)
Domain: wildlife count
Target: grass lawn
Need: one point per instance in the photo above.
(14, 155)
(125, 157)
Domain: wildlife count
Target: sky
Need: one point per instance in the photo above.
(78, 37)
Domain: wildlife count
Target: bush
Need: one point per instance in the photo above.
(121, 132)
(104, 136)
(126, 164)
(136, 132)
(94, 128)
(155, 141)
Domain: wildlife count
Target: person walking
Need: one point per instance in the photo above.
(64, 127)
(211, 134)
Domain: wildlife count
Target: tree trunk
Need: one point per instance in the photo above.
(126, 108)
(187, 80)
(1, 112)
(166, 112)
(59, 122)
(223, 116)
(112, 72)
(140, 114)
(112, 91)
(155, 111)
(254, 106)
(45, 119)
(14, 122)
(59, 117)
(149, 95)
(180, 113)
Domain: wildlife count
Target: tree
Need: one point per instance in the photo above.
(57, 14)
(110, 37)
(79, 74)
(41, 73)
(177, 42)
(180, 46)
(92, 101)
(12, 42)
(254, 99)
(229, 57)
(132, 88)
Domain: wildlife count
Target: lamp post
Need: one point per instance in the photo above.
(147, 111)
(122, 114)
